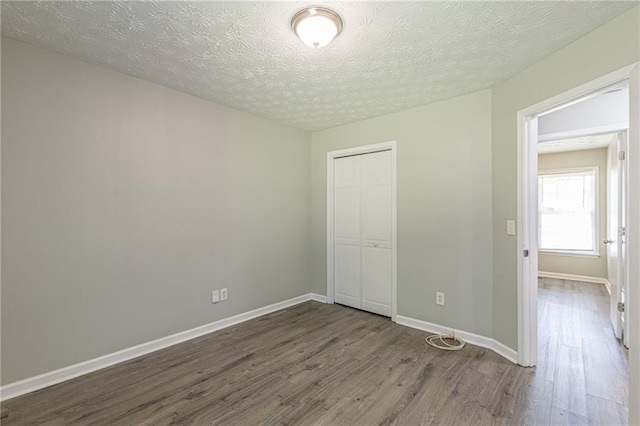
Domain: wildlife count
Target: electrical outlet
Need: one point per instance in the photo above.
(215, 296)
(439, 298)
(223, 294)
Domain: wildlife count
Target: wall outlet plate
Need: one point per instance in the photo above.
(215, 296)
(223, 294)
(439, 298)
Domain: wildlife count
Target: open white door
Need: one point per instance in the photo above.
(616, 227)
(623, 314)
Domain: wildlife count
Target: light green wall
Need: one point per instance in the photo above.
(608, 48)
(580, 265)
(125, 203)
(443, 207)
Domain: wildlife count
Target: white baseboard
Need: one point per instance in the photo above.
(471, 338)
(504, 350)
(318, 297)
(31, 384)
(571, 277)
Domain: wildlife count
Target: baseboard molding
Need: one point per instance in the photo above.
(471, 338)
(583, 278)
(607, 284)
(41, 381)
(318, 297)
(504, 351)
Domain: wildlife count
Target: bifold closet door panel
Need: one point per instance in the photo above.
(347, 275)
(376, 233)
(376, 280)
(347, 230)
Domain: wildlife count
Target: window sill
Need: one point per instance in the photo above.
(569, 254)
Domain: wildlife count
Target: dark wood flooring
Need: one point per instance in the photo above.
(328, 364)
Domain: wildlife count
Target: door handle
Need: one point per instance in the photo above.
(609, 241)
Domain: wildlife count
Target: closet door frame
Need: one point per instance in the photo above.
(365, 149)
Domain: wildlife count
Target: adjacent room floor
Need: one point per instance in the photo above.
(580, 361)
(328, 364)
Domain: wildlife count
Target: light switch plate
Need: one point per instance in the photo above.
(215, 296)
(511, 227)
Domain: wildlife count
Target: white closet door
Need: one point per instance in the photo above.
(376, 233)
(362, 231)
(347, 179)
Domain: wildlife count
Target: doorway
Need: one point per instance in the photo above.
(527, 225)
(578, 351)
(361, 228)
(582, 208)
(528, 135)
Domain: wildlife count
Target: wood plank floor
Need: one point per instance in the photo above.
(580, 362)
(328, 364)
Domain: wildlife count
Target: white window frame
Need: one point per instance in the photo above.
(596, 235)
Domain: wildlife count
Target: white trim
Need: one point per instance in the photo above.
(527, 140)
(330, 287)
(504, 351)
(527, 220)
(607, 284)
(34, 383)
(318, 297)
(365, 149)
(569, 170)
(471, 338)
(633, 244)
(568, 254)
(591, 131)
(571, 277)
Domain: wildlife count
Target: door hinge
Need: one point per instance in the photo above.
(622, 231)
(620, 306)
(526, 253)
(622, 155)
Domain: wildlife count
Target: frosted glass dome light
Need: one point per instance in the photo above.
(316, 26)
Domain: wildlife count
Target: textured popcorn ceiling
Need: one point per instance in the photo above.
(391, 55)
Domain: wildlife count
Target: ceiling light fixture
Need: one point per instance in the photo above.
(316, 26)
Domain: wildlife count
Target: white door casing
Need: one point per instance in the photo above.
(527, 236)
(632, 313)
(361, 228)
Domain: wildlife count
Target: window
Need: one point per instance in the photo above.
(567, 211)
